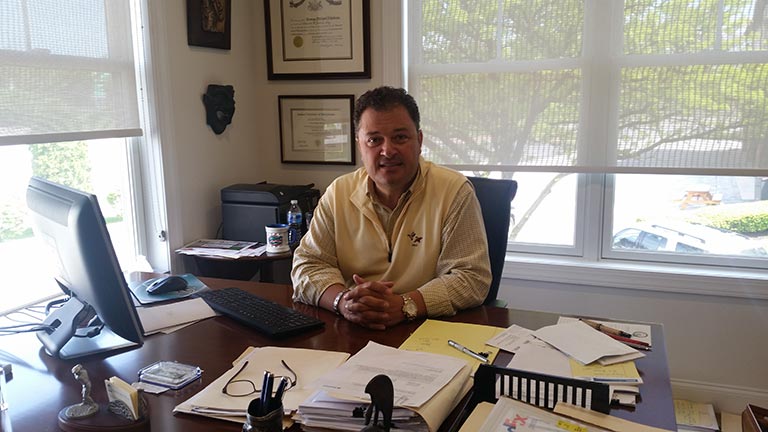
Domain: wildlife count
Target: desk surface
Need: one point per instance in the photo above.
(41, 385)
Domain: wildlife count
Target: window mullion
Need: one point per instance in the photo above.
(598, 120)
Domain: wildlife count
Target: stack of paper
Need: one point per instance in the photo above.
(694, 416)
(582, 342)
(223, 248)
(429, 385)
(307, 364)
(573, 349)
(168, 318)
(323, 411)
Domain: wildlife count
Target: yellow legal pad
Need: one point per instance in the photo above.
(617, 373)
(432, 336)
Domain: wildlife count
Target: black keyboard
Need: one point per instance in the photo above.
(268, 317)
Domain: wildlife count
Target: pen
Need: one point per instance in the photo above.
(629, 340)
(278, 399)
(467, 351)
(631, 344)
(266, 392)
(604, 328)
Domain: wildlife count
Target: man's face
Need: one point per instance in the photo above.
(390, 147)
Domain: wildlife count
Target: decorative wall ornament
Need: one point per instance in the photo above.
(219, 101)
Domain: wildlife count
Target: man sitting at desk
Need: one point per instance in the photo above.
(398, 239)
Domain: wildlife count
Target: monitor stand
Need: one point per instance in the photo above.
(68, 340)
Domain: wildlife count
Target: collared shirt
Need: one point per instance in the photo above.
(460, 267)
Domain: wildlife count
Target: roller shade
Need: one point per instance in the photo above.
(66, 71)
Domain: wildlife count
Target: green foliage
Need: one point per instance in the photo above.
(744, 218)
(12, 224)
(65, 163)
(113, 198)
(489, 118)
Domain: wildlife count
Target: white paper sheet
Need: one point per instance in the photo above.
(541, 358)
(640, 332)
(514, 338)
(416, 376)
(160, 317)
(308, 364)
(581, 341)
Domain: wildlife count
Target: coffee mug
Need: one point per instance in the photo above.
(277, 238)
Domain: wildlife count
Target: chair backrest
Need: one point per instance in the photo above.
(495, 197)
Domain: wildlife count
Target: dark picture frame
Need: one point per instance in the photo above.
(318, 39)
(209, 23)
(317, 129)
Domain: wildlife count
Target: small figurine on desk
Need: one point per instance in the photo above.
(87, 407)
(382, 400)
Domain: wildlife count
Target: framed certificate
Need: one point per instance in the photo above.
(318, 39)
(316, 129)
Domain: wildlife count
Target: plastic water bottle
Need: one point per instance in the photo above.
(294, 222)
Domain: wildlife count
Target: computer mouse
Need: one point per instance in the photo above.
(167, 284)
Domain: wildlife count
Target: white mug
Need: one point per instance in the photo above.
(277, 238)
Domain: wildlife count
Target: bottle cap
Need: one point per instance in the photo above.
(294, 201)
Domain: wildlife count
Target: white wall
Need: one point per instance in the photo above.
(198, 163)
(718, 347)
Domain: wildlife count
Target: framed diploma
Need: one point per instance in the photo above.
(316, 129)
(318, 39)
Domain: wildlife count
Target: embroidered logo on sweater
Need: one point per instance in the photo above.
(415, 240)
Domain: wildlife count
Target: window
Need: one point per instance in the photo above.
(70, 113)
(637, 130)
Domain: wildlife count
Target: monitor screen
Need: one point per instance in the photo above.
(99, 314)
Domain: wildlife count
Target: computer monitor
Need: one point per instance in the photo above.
(99, 314)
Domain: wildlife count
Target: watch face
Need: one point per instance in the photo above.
(409, 307)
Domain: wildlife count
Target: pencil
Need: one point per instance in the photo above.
(604, 328)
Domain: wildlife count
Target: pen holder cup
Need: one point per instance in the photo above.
(272, 422)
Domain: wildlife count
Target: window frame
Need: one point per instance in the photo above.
(146, 187)
(595, 201)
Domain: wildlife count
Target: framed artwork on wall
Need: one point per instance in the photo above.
(316, 129)
(209, 23)
(318, 39)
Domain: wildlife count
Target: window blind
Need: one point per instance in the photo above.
(67, 71)
(635, 86)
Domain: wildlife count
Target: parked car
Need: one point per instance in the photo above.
(687, 238)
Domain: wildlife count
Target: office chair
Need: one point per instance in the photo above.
(495, 198)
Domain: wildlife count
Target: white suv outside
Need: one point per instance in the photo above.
(686, 238)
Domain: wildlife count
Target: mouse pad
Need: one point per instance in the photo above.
(139, 290)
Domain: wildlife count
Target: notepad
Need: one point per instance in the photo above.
(120, 391)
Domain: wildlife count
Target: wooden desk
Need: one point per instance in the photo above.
(41, 385)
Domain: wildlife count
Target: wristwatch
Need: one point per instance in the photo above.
(409, 308)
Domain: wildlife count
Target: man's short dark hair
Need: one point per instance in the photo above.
(383, 99)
